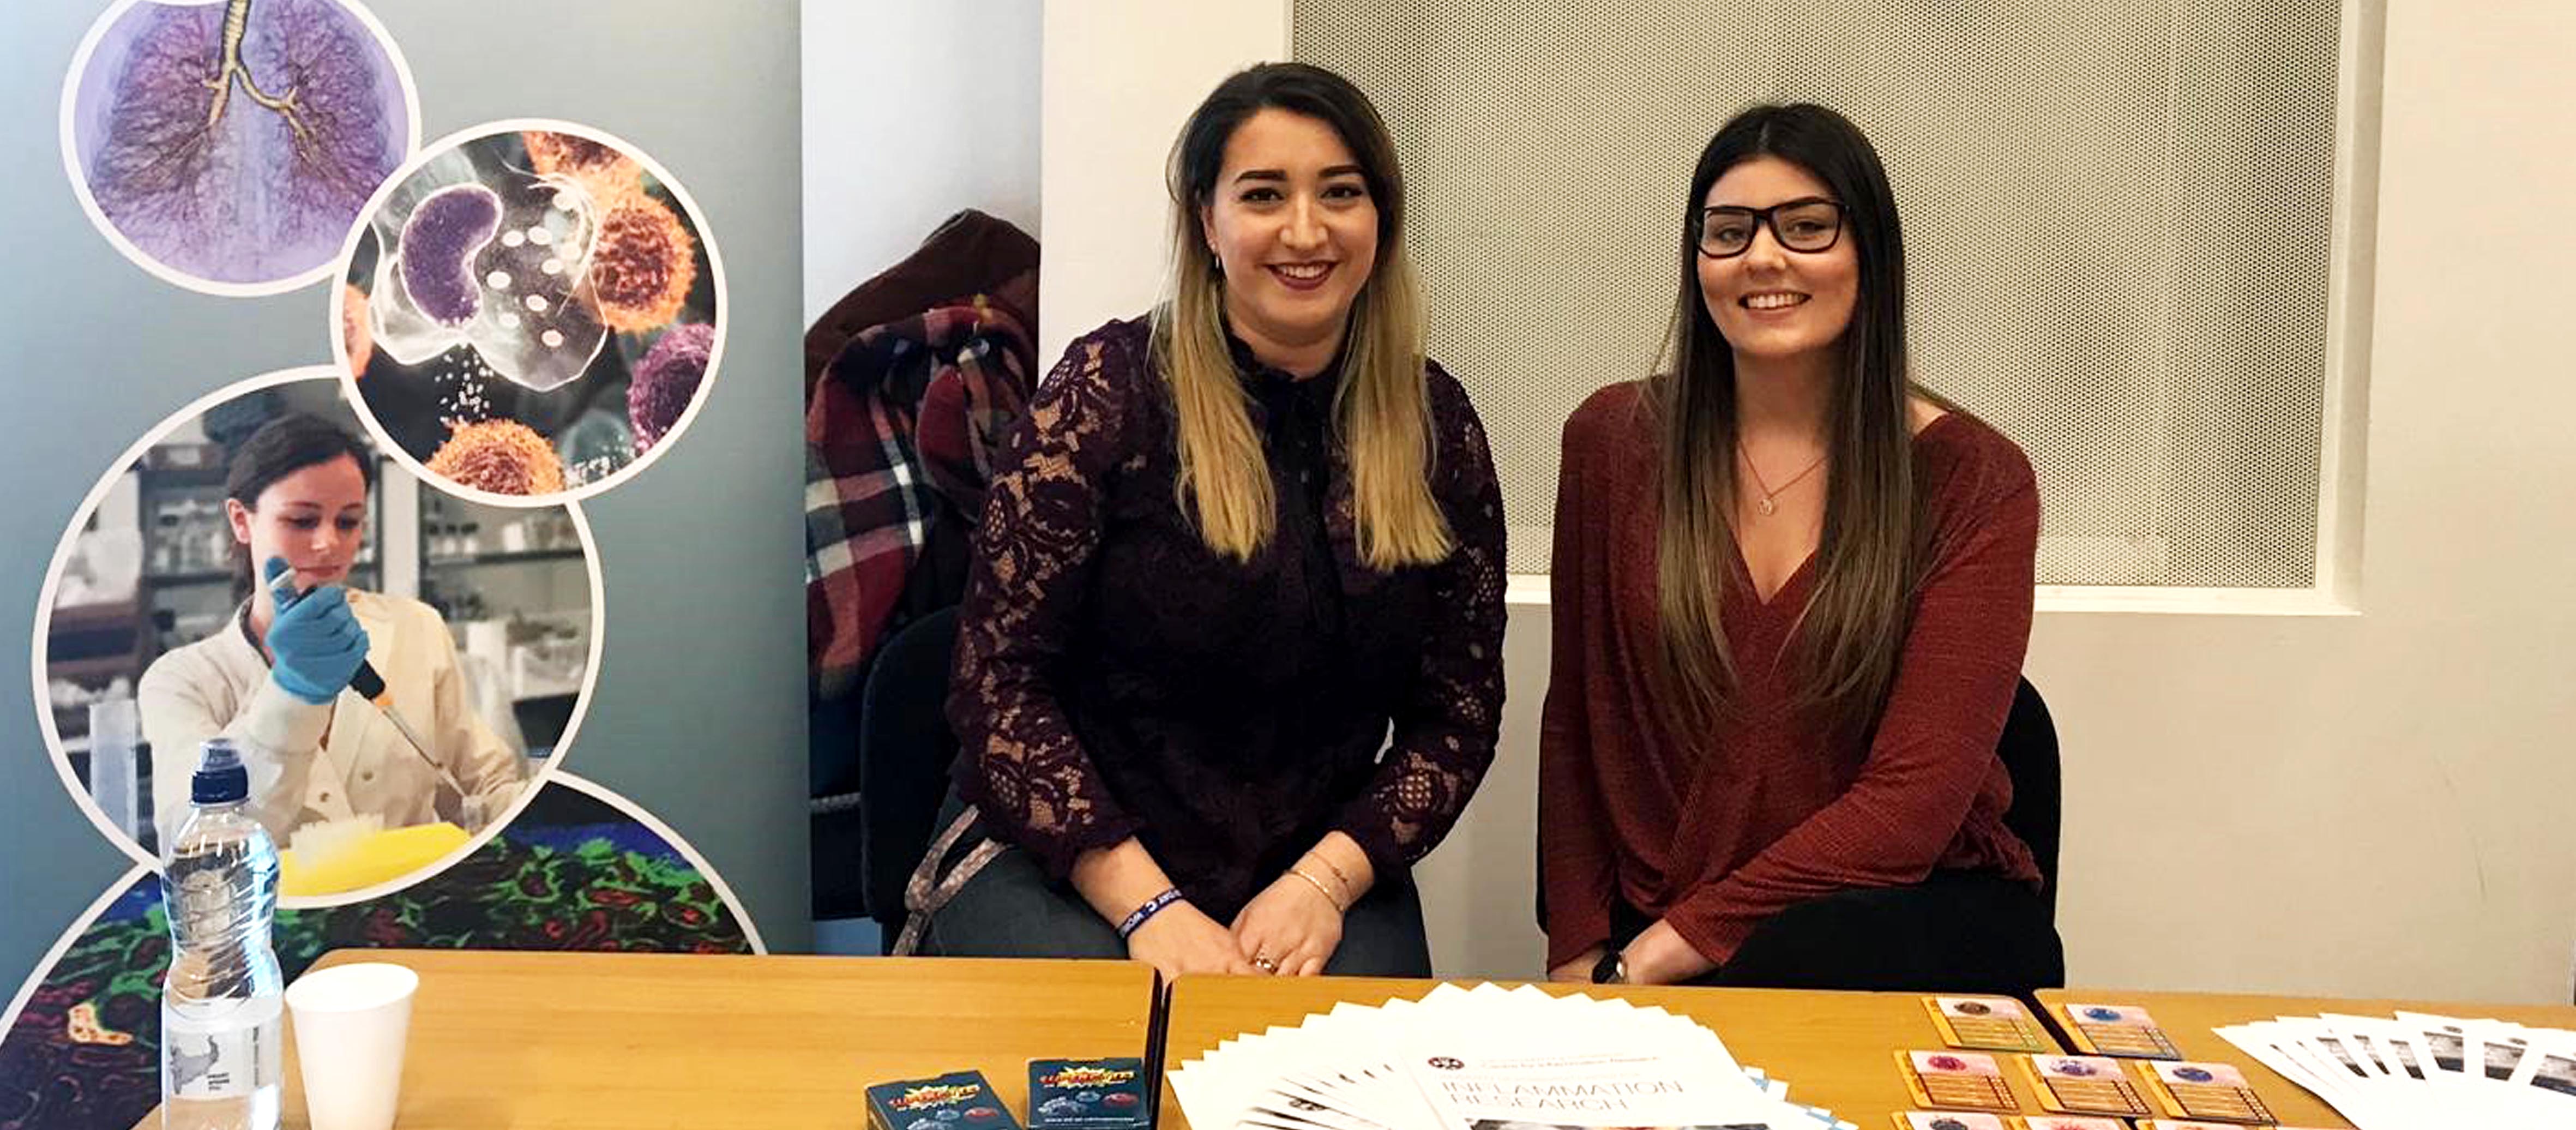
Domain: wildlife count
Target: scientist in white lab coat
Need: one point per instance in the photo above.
(278, 683)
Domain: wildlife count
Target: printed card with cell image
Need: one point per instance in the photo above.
(2083, 1084)
(1989, 1023)
(2123, 1030)
(2072, 1122)
(2213, 1092)
(1957, 1079)
(1955, 1120)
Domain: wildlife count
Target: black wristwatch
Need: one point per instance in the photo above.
(1612, 969)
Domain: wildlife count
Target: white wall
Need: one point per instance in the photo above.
(2382, 803)
(1121, 77)
(912, 112)
(2367, 805)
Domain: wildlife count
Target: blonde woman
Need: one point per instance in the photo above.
(1251, 540)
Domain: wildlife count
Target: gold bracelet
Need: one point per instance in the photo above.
(1338, 876)
(1318, 884)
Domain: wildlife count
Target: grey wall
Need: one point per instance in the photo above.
(699, 711)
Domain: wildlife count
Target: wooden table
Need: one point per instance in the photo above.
(558, 1041)
(1836, 1050)
(2187, 1019)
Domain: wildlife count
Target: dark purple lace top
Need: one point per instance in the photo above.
(1115, 677)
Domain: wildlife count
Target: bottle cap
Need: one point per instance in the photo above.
(221, 778)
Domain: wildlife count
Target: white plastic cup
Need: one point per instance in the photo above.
(351, 1023)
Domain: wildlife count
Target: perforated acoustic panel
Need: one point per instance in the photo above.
(2118, 217)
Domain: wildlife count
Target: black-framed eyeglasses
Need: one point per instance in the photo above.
(1808, 224)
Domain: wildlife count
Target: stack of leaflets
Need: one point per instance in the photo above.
(2418, 1070)
(1485, 1058)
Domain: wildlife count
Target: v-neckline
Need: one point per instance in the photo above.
(1744, 567)
(1744, 573)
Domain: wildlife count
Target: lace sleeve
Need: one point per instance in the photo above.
(1446, 730)
(1019, 761)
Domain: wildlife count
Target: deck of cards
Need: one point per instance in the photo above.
(1486, 1058)
(959, 1100)
(2414, 1069)
(1087, 1094)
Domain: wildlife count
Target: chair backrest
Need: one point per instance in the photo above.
(2028, 750)
(905, 748)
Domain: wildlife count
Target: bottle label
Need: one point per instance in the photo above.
(228, 1055)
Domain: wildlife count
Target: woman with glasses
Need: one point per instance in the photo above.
(1252, 539)
(1792, 593)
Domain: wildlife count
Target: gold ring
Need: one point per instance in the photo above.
(1262, 962)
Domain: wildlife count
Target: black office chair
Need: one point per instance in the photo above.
(905, 749)
(1947, 934)
(2028, 750)
(1951, 933)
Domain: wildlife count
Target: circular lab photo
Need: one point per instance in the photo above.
(531, 313)
(226, 146)
(392, 665)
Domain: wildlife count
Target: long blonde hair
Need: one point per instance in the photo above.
(1381, 411)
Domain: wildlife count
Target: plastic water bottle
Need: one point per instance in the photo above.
(221, 1010)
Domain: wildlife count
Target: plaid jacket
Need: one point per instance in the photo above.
(901, 432)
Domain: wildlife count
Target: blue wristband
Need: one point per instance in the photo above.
(1152, 907)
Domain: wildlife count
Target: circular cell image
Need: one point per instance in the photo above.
(2193, 1074)
(2072, 1067)
(227, 146)
(2102, 1014)
(1946, 1063)
(530, 313)
(1974, 1008)
(395, 665)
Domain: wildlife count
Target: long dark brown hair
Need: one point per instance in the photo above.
(281, 447)
(1844, 648)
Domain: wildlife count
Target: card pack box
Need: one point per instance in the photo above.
(959, 1100)
(1087, 1094)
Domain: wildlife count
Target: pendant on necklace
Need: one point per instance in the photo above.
(1769, 507)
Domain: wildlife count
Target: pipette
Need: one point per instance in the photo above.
(370, 686)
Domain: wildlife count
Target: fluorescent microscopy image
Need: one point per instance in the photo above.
(499, 456)
(540, 275)
(228, 146)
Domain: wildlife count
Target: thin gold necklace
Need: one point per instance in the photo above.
(1770, 496)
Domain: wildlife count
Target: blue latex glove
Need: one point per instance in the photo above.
(314, 642)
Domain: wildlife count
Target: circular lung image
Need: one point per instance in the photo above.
(531, 312)
(227, 146)
(393, 664)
